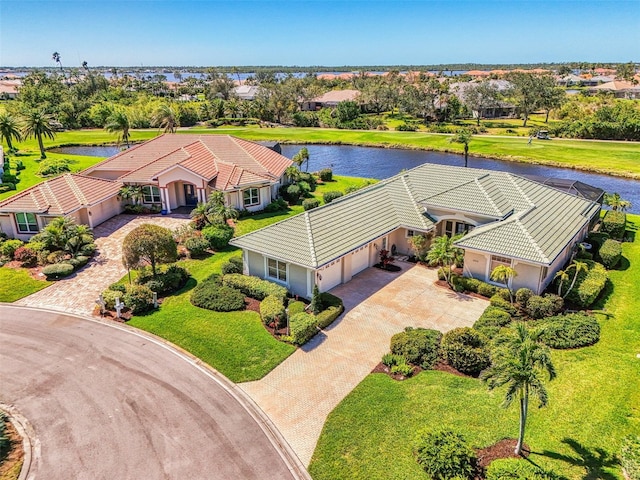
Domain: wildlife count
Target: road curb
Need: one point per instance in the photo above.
(28, 434)
(289, 457)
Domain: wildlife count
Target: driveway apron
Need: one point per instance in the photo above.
(78, 293)
(300, 393)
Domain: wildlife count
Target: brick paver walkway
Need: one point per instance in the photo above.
(78, 293)
(300, 393)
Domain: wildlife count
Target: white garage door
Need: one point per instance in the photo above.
(331, 275)
(360, 260)
(104, 211)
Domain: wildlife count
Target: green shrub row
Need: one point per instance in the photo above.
(57, 270)
(212, 295)
(233, 265)
(614, 223)
(573, 330)
(272, 310)
(588, 285)
(326, 317)
(543, 306)
(196, 245)
(172, 279)
(467, 350)
(218, 236)
(419, 346)
(499, 301)
(610, 253)
(294, 307)
(302, 328)
(330, 196)
(310, 203)
(326, 174)
(139, 298)
(254, 287)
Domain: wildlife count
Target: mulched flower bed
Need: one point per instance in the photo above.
(252, 304)
(15, 454)
(382, 368)
(502, 449)
(125, 314)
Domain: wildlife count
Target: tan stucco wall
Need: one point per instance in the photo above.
(475, 265)
(6, 225)
(180, 175)
(104, 211)
(108, 174)
(528, 276)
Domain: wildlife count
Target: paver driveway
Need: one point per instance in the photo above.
(300, 393)
(77, 294)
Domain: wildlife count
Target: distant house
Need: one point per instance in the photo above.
(509, 220)
(330, 99)
(9, 89)
(619, 88)
(570, 80)
(500, 109)
(174, 170)
(246, 92)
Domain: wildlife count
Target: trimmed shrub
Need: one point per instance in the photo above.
(329, 300)
(118, 287)
(327, 317)
(445, 454)
(57, 270)
(295, 307)
(293, 193)
(272, 309)
(610, 253)
(218, 236)
(169, 281)
(276, 206)
(88, 249)
(310, 203)
(8, 247)
(326, 174)
(216, 297)
(596, 239)
(196, 245)
(302, 328)
(466, 350)
(573, 330)
(546, 306)
(403, 369)
(330, 196)
(630, 457)
(26, 256)
(515, 469)
(7, 186)
(389, 359)
(523, 295)
(418, 346)
(588, 285)
(109, 296)
(305, 188)
(138, 298)
(54, 166)
(233, 265)
(498, 301)
(77, 262)
(471, 284)
(614, 223)
(493, 317)
(487, 290)
(254, 287)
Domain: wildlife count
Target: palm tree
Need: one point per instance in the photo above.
(443, 253)
(37, 123)
(519, 361)
(301, 157)
(56, 58)
(131, 192)
(118, 122)
(504, 274)
(85, 66)
(215, 211)
(166, 117)
(9, 129)
(293, 173)
(463, 136)
(563, 276)
(616, 202)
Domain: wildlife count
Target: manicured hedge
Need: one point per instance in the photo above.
(218, 236)
(196, 246)
(254, 287)
(445, 455)
(588, 285)
(614, 223)
(419, 346)
(327, 316)
(310, 203)
(544, 306)
(57, 270)
(523, 295)
(330, 196)
(216, 297)
(171, 280)
(493, 317)
(233, 265)
(498, 301)
(573, 330)
(326, 174)
(515, 469)
(295, 307)
(272, 308)
(302, 328)
(610, 253)
(138, 298)
(466, 350)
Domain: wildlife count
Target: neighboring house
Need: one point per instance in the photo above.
(87, 200)
(510, 220)
(9, 89)
(246, 92)
(500, 109)
(330, 99)
(174, 170)
(619, 88)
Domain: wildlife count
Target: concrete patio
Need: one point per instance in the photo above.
(300, 393)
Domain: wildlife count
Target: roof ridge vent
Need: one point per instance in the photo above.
(312, 248)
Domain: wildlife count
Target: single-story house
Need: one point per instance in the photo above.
(246, 92)
(87, 200)
(174, 170)
(330, 99)
(619, 88)
(508, 220)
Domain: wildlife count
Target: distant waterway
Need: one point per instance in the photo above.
(382, 163)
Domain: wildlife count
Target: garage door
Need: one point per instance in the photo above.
(360, 260)
(331, 275)
(104, 211)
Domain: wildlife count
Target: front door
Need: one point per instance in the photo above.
(190, 198)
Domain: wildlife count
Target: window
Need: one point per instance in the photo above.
(411, 233)
(462, 227)
(151, 194)
(277, 270)
(448, 228)
(27, 222)
(251, 197)
(497, 261)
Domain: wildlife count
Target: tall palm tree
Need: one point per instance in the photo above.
(166, 117)
(463, 136)
(58, 59)
(443, 253)
(616, 202)
(504, 274)
(9, 129)
(301, 157)
(85, 66)
(118, 123)
(37, 123)
(520, 360)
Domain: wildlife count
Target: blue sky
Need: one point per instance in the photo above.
(349, 32)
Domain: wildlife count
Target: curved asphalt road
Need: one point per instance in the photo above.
(106, 402)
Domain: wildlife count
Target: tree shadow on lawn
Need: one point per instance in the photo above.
(593, 460)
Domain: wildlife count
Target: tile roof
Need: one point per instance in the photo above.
(337, 96)
(205, 155)
(528, 220)
(61, 195)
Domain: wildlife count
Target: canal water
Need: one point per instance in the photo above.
(384, 162)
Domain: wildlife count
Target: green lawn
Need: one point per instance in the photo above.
(594, 403)
(234, 343)
(17, 283)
